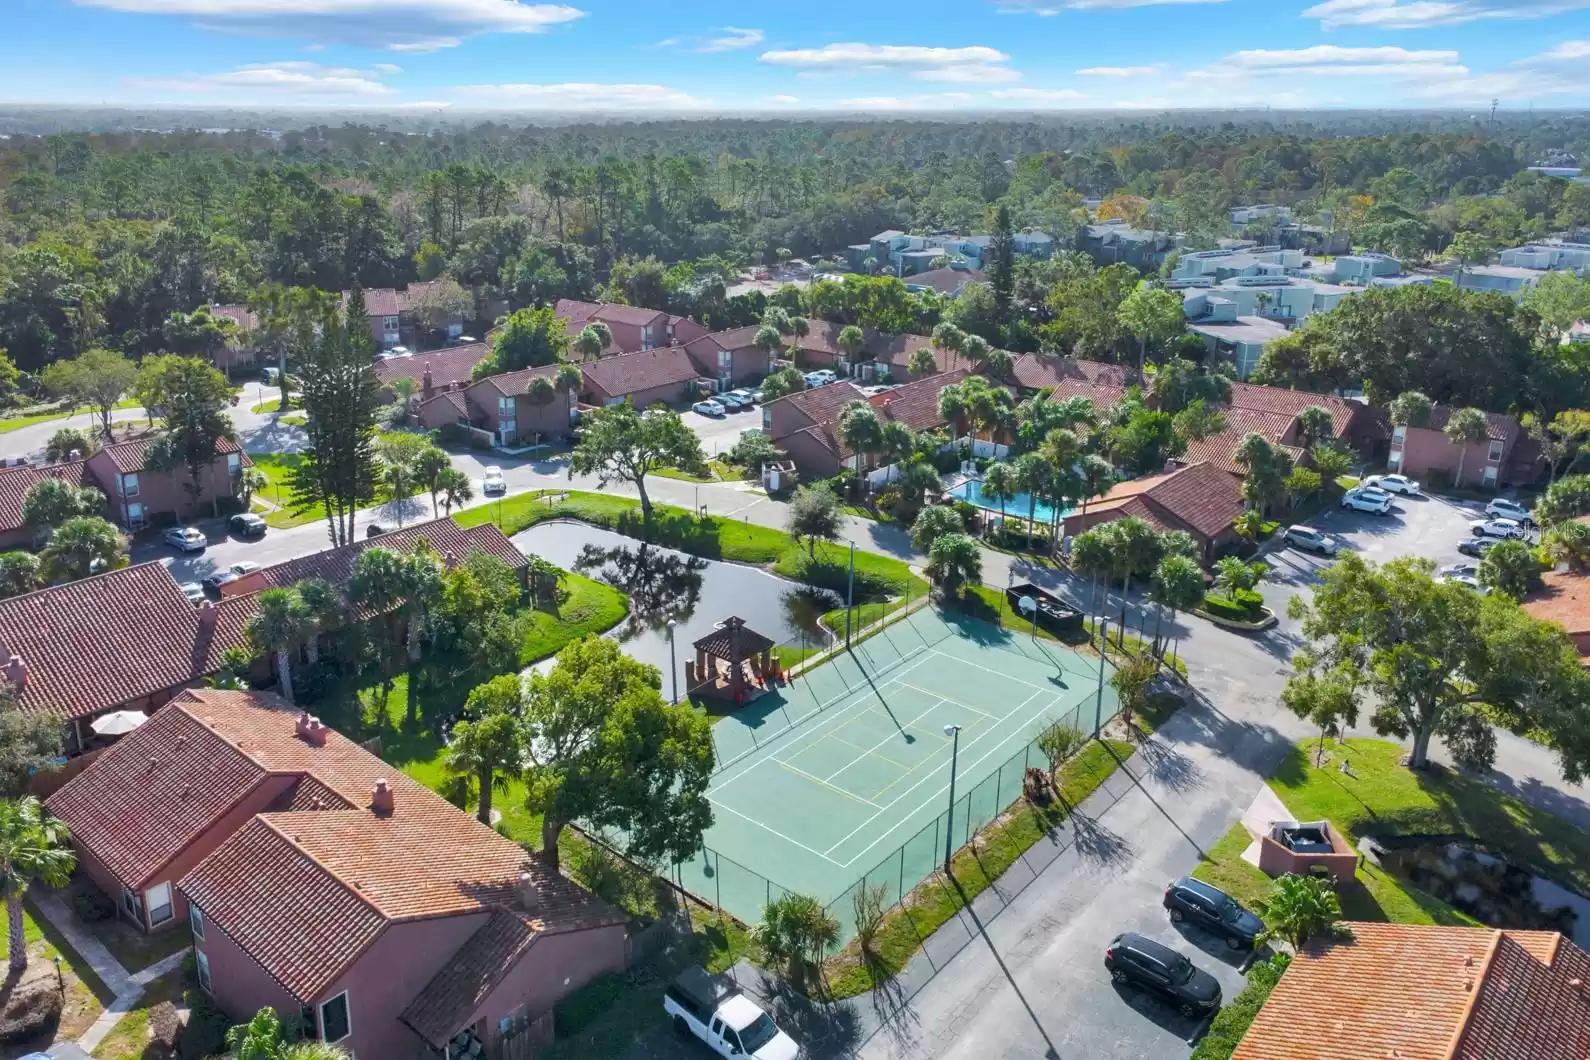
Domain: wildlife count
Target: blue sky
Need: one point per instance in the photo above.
(715, 55)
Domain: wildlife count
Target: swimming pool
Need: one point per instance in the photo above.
(971, 491)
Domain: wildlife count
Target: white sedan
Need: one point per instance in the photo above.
(821, 377)
(1503, 528)
(493, 482)
(730, 400)
(707, 408)
(1502, 508)
(186, 539)
(1367, 499)
(1393, 483)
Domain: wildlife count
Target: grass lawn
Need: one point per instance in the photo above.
(136, 950)
(86, 994)
(977, 865)
(14, 423)
(278, 467)
(1382, 796)
(130, 1038)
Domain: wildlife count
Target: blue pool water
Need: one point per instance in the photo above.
(971, 491)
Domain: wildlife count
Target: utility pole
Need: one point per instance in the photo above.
(1494, 103)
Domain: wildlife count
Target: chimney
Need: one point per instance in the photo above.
(310, 730)
(425, 380)
(17, 673)
(381, 798)
(528, 895)
(450, 560)
(209, 614)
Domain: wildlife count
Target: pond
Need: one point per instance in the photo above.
(663, 585)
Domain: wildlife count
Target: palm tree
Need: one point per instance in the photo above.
(251, 481)
(427, 465)
(1033, 476)
(487, 752)
(974, 348)
(570, 380)
(1569, 542)
(917, 477)
(378, 586)
(83, 546)
(1098, 475)
(1178, 585)
(954, 561)
(279, 625)
(1465, 427)
(1131, 682)
(860, 430)
(69, 443)
(948, 337)
(1249, 525)
(403, 391)
(33, 846)
(324, 610)
(999, 484)
(999, 363)
(922, 363)
(455, 489)
(851, 340)
(768, 340)
(588, 343)
(1300, 908)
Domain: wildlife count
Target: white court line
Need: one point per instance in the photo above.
(958, 703)
(996, 673)
(998, 746)
(819, 780)
(774, 831)
(833, 714)
(937, 702)
(918, 784)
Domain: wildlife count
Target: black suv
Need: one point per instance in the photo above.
(1143, 962)
(1212, 909)
(247, 524)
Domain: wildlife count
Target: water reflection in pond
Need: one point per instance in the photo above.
(665, 585)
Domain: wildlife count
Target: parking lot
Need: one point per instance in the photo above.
(719, 433)
(1423, 525)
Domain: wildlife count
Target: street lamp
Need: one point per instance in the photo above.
(954, 733)
(673, 660)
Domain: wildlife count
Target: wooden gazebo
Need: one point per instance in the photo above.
(731, 661)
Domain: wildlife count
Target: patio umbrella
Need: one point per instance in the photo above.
(118, 722)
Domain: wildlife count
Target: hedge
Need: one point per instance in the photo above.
(1233, 1020)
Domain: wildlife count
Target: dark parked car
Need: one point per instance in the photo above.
(1212, 909)
(1476, 546)
(247, 524)
(1159, 969)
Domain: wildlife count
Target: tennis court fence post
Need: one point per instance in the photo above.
(717, 879)
(1098, 699)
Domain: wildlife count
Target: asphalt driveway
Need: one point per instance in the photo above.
(719, 433)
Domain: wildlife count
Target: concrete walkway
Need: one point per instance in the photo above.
(127, 987)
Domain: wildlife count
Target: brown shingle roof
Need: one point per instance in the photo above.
(1427, 993)
(632, 373)
(469, 976)
(304, 891)
(947, 280)
(335, 565)
(1498, 426)
(110, 639)
(129, 457)
(1217, 448)
(1203, 496)
(15, 483)
(507, 384)
(1103, 384)
(381, 301)
(917, 404)
(1277, 400)
(610, 312)
(447, 367)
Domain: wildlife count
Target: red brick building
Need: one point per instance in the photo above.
(665, 376)
(15, 482)
(805, 424)
(319, 881)
(1506, 457)
(1202, 499)
(137, 494)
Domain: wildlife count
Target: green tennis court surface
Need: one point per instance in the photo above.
(844, 775)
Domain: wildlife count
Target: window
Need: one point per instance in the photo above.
(202, 964)
(132, 904)
(158, 900)
(196, 921)
(129, 485)
(334, 1024)
(234, 463)
(389, 323)
(1495, 455)
(1398, 435)
(135, 516)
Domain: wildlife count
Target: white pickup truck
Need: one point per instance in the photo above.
(712, 1008)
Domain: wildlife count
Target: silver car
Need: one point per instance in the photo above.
(186, 539)
(1311, 539)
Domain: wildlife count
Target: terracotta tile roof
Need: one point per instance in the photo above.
(1563, 599)
(574, 310)
(947, 280)
(507, 384)
(820, 408)
(448, 367)
(15, 483)
(1202, 496)
(129, 457)
(304, 891)
(1427, 993)
(468, 978)
(455, 398)
(1103, 384)
(310, 794)
(110, 639)
(1498, 426)
(241, 315)
(733, 339)
(1217, 448)
(1278, 400)
(897, 349)
(609, 312)
(917, 404)
(381, 302)
(335, 565)
(632, 373)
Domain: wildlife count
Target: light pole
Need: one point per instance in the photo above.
(954, 733)
(850, 592)
(673, 660)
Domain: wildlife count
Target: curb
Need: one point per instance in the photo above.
(1266, 622)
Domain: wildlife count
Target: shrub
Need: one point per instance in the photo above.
(165, 1027)
(90, 903)
(29, 1010)
(1223, 607)
(205, 1034)
(581, 1008)
(869, 903)
(1232, 1021)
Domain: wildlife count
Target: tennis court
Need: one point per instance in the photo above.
(845, 773)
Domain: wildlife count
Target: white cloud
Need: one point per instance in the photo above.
(1054, 7)
(581, 96)
(398, 25)
(275, 80)
(1328, 60)
(786, 99)
(1040, 95)
(1561, 70)
(1418, 14)
(975, 64)
(925, 101)
(733, 39)
(1122, 71)
(387, 68)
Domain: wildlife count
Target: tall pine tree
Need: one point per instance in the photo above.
(340, 395)
(1001, 267)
